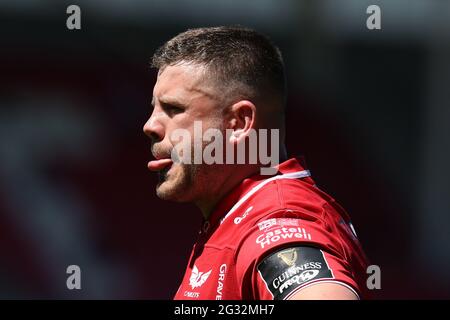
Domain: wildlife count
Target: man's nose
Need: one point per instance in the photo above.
(154, 129)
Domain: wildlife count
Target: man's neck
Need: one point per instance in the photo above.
(235, 177)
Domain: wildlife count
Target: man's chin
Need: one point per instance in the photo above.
(174, 183)
(166, 191)
(163, 192)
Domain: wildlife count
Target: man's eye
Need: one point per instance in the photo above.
(171, 109)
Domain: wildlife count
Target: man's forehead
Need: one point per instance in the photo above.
(182, 81)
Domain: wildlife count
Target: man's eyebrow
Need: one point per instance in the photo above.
(172, 102)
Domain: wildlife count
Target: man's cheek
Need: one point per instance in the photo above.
(182, 151)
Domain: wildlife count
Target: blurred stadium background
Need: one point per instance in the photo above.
(370, 110)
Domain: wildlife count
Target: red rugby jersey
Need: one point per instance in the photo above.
(272, 236)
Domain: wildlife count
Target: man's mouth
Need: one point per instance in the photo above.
(159, 164)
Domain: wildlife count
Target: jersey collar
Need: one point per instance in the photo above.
(293, 168)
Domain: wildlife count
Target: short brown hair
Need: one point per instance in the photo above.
(239, 58)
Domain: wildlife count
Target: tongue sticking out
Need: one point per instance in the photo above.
(157, 165)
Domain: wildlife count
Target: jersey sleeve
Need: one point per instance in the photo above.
(282, 255)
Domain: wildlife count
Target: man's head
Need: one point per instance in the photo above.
(227, 78)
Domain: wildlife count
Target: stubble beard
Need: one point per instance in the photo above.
(177, 185)
(188, 182)
(184, 182)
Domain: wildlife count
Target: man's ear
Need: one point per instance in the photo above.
(241, 119)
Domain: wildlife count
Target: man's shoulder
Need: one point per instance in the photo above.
(287, 211)
(294, 206)
(289, 194)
